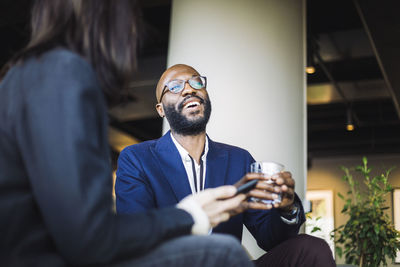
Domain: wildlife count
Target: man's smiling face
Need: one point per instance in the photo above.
(187, 111)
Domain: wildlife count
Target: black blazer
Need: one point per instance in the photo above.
(55, 175)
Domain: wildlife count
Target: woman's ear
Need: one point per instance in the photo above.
(160, 110)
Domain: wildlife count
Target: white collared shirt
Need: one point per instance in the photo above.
(187, 163)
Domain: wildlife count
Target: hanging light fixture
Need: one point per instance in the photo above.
(349, 122)
(310, 69)
(310, 66)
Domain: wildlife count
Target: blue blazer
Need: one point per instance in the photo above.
(151, 175)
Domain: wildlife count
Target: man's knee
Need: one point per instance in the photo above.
(301, 250)
(313, 245)
(310, 240)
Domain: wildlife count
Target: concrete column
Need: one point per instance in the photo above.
(253, 54)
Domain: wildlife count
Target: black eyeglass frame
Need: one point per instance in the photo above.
(185, 81)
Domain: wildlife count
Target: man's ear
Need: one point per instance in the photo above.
(160, 110)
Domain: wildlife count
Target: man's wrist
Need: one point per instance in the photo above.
(290, 215)
(290, 212)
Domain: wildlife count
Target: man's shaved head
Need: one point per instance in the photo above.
(172, 73)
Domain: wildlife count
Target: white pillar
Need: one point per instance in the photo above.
(252, 52)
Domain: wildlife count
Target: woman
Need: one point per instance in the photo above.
(55, 179)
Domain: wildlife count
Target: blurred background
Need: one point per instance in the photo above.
(352, 74)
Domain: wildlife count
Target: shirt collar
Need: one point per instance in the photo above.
(183, 152)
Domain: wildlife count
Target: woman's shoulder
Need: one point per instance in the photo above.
(55, 61)
(59, 65)
(51, 71)
(61, 54)
(60, 58)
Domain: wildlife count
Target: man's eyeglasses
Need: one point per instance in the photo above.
(176, 86)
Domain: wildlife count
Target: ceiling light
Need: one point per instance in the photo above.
(350, 127)
(310, 69)
(310, 64)
(349, 123)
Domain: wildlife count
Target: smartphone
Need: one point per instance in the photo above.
(246, 187)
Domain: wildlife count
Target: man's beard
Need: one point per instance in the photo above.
(183, 126)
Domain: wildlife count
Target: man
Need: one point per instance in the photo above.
(185, 160)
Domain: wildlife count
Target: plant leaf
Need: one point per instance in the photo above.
(339, 251)
(376, 229)
(364, 160)
(315, 229)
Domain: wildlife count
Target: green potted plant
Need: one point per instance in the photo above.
(368, 238)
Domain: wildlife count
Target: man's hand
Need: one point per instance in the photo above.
(264, 190)
(284, 183)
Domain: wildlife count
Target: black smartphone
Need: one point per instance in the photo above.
(246, 187)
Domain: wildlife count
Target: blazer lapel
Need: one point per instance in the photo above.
(217, 164)
(171, 165)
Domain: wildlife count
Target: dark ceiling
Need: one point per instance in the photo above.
(352, 44)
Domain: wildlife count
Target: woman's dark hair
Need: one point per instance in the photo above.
(104, 32)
